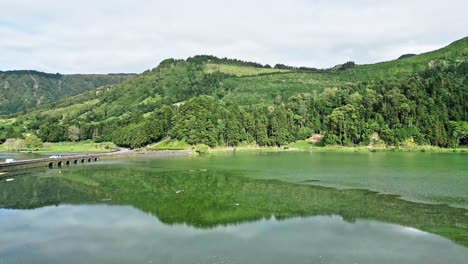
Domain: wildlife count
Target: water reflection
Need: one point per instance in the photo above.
(207, 199)
(127, 212)
(123, 234)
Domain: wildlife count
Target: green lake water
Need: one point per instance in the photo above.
(280, 207)
(22, 155)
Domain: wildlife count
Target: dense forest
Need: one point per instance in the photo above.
(420, 99)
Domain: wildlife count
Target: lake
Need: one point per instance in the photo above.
(250, 207)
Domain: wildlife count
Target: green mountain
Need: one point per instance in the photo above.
(21, 90)
(421, 99)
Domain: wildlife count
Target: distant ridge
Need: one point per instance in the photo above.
(404, 56)
(24, 89)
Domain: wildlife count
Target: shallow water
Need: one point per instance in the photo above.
(241, 208)
(423, 177)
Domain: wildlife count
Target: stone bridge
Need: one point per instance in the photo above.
(49, 162)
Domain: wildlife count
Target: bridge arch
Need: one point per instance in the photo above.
(51, 164)
(68, 162)
(60, 163)
(75, 161)
(82, 160)
(95, 159)
(89, 160)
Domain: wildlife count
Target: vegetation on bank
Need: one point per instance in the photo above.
(80, 147)
(60, 147)
(424, 149)
(168, 144)
(420, 100)
(305, 145)
(301, 145)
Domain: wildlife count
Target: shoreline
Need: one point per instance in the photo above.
(428, 149)
(251, 148)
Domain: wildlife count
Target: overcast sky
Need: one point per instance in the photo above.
(91, 36)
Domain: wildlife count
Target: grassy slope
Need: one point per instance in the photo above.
(238, 70)
(265, 88)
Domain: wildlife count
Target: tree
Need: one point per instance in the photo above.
(197, 121)
(10, 144)
(12, 133)
(14, 144)
(459, 133)
(133, 136)
(344, 126)
(232, 132)
(279, 127)
(52, 133)
(201, 149)
(19, 144)
(95, 136)
(261, 127)
(33, 142)
(74, 133)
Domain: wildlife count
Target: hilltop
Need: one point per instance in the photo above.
(421, 99)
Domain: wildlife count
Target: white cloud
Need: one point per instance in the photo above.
(132, 36)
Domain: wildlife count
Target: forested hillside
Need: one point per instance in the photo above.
(21, 90)
(420, 99)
